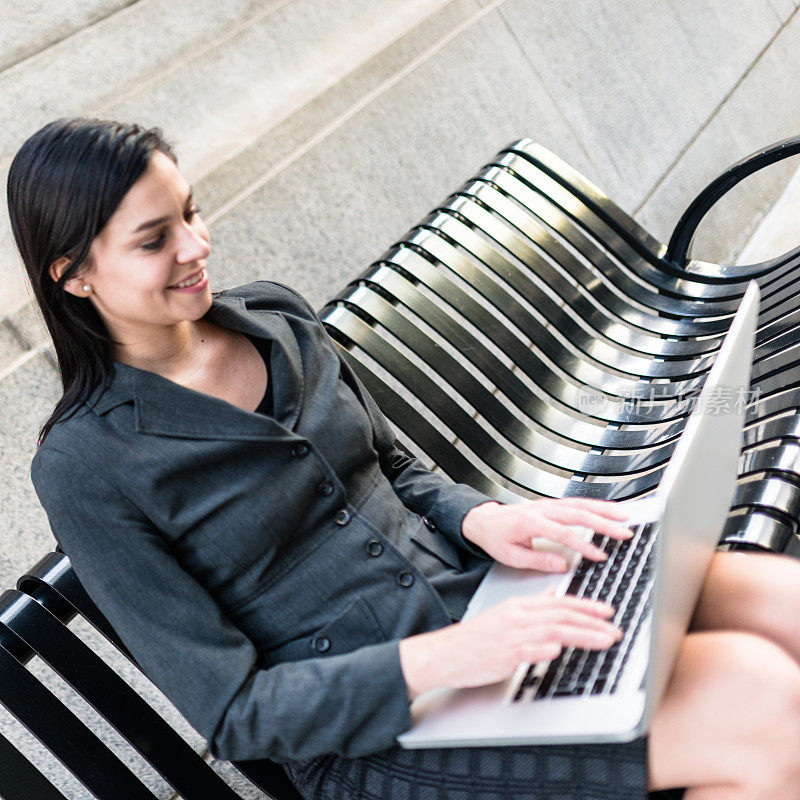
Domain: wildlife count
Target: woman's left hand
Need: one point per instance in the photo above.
(508, 532)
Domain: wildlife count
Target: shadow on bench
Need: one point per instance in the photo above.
(528, 338)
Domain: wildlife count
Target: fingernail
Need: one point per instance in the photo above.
(600, 554)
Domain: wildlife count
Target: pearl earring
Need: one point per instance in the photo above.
(86, 287)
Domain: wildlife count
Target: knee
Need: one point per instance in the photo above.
(730, 716)
(762, 674)
(767, 681)
(774, 591)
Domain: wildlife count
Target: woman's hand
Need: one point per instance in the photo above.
(507, 532)
(491, 645)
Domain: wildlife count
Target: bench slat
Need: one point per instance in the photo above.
(112, 697)
(61, 732)
(20, 780)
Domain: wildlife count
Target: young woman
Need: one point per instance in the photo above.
(234, 502)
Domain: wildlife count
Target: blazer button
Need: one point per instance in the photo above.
(325, 488)
(374, 547)
(300, 450)
(322, 643)
(405, 579)
(429, 523)
(342, 516)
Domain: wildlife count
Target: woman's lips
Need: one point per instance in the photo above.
(197, 287)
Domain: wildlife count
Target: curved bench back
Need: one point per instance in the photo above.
(530, 338)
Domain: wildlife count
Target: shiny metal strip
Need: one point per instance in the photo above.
(470, 432)
(752, 527)
(494, 412)
(772, 493)
(539, 409)
(610, 274)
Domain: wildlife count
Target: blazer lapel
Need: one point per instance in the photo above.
(165, 408)
(285, 359)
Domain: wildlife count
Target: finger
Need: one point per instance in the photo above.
(556, 531)
(606, 508)
(588, 519)
(570, 601)
(522, 557)
(573, 617)
(572, 636)
(533, 652)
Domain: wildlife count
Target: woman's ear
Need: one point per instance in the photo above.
(74, 285)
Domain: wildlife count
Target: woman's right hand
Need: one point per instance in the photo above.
(490, 646)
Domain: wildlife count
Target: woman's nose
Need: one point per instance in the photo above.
(193, 244)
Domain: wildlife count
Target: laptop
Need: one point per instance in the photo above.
(653, 580)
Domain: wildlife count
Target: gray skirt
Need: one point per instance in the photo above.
(552, 772)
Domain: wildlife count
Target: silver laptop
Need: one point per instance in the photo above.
(653, 581)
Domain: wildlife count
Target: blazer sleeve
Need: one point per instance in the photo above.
(424, 492)
(351, 704)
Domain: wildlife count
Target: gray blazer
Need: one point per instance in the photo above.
(261, 570)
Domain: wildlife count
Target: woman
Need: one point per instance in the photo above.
(234, 502)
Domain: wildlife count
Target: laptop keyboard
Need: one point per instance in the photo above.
(625, 580)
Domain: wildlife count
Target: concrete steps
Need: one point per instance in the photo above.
(32, 27)
(214, 76)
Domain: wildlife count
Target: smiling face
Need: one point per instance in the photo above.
(154, 241)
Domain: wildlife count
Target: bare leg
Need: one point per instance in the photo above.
(728, 727)
(754, 592)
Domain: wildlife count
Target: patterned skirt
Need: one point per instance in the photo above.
(552, 772)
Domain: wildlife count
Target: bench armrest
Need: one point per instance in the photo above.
(677, 253)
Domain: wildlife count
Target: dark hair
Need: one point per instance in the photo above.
(63, 186)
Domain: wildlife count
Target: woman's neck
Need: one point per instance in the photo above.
(179, 354)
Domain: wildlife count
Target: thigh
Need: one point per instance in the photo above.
(553, 772)
(754, 592)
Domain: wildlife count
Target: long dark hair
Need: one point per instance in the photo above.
(64, 184)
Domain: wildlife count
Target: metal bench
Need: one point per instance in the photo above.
(529, 338)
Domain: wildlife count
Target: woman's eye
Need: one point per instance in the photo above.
(155, 244)
(188, 215)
